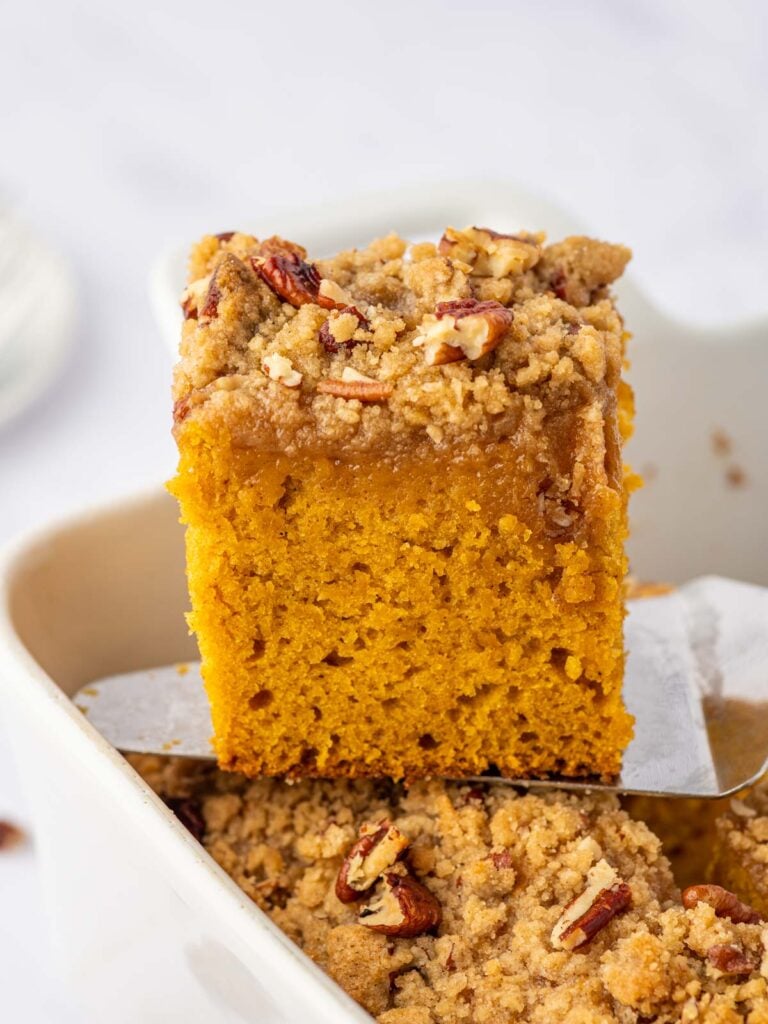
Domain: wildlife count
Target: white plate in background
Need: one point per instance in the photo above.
(37, 315)
(701, 437)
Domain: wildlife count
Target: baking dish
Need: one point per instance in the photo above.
(146, 927)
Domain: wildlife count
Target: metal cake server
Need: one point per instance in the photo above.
(696, 682)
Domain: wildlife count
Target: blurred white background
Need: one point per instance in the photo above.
(128, 127)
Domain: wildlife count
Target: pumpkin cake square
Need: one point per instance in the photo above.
(401, 476)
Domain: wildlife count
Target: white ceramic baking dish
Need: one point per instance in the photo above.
(145, 923)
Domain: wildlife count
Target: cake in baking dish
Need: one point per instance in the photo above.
(459, 903)
(401, 475)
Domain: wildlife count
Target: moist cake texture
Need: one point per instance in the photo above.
(531, 908)
(401, 474)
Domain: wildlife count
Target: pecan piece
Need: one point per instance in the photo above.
(10, 835)
(327, 340)
(355, 385)
(181, 409)
(290, 277)
(211, 305)
(193, 297)
(604, 897)
(378, 848)
(490, 253)
(189, 814)
(401, 907)
(188, 307)
(730, 959)
(224, 236)
(501, 859)
(277, 246)
(295, 280)
(281, 369)
(722, 901)
(462, 329)
(558, 282)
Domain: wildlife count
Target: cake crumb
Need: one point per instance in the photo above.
(735, 477)
(11, 836)
(721, 442)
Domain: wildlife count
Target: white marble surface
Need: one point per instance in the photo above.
(124, 127)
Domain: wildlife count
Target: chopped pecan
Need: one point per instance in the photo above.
(722, 901)
(401, 907)
(730, 959)
(284, 267)
(490, 253)
(183, 406)
(558, 282)
(194, 296)
(332, 295)
(211, 305)
(281, 369)
(378, 848)
(742, 809)
(181, 409)
(327, 340)
(462, 329)
(276, 246)
(289, 277)
(604, 897)
(459, 308)
(355, 385)
(10, 835)
(189, 814)
(224, 236)
(501, 859)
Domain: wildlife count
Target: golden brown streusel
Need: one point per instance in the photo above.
(559, 346)
(740, 857)
(503, 865)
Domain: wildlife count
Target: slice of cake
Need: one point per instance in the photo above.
(401, 474)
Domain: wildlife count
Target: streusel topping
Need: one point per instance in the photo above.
(473, 339)
(538, 908)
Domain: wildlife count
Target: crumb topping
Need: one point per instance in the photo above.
(462, 341)
(487, 905)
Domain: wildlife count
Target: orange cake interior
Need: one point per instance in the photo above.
(401, 476)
